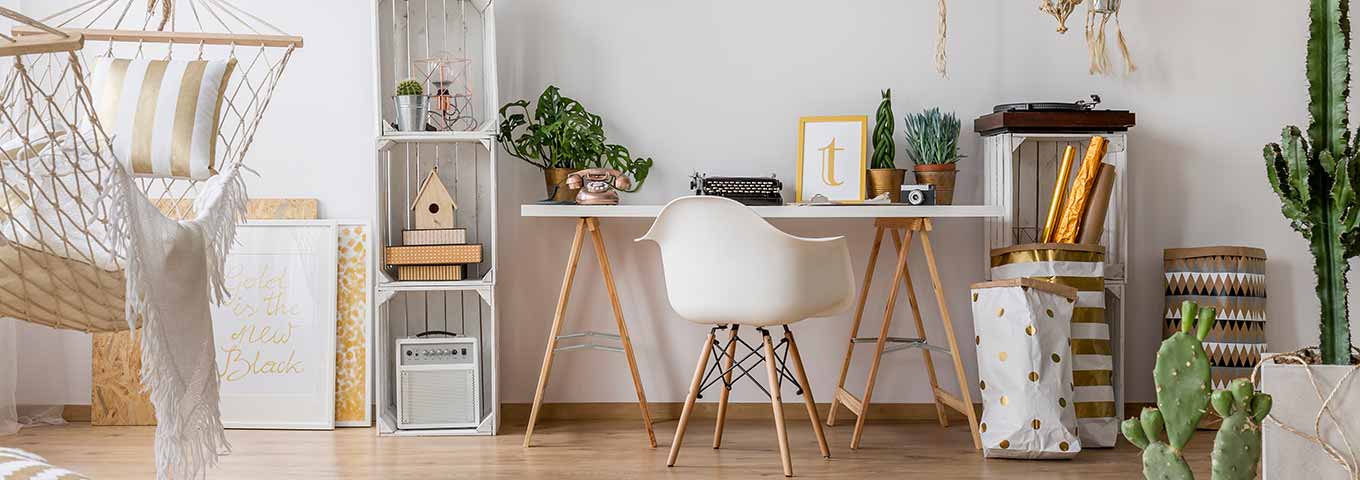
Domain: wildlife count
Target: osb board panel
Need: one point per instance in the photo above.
(117, 395)
(256, 209)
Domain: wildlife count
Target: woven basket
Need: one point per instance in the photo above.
(1081, 267)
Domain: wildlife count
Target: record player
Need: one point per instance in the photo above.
(1041, 117)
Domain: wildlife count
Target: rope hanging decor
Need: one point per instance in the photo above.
(1060, 11)
(1098, 15)
(942, 32)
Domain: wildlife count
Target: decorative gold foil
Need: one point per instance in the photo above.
(1080, 195)
(1059, 193)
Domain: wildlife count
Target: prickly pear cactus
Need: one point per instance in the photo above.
(1237, 447)
(1182, 382)
(1160, 461)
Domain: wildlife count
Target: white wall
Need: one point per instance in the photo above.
(717, 86)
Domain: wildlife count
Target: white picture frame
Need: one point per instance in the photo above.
(833, 153)
(275, 336)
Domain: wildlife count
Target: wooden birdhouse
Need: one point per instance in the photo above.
(433, 206)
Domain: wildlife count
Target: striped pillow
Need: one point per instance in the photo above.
(17, 464)
(163, 115)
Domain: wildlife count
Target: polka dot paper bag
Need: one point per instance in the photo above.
(1025, 368)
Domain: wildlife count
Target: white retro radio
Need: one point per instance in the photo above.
(438, 383)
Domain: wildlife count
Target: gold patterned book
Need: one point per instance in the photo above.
(434, 236)
(433, 254)
(429, 273)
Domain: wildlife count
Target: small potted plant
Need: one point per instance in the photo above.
(884, 176)
(412, 106)
(561, 137)
(933, 145)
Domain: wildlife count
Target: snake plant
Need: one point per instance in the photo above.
(885, 151)
(1316, 174)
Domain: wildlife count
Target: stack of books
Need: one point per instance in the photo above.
(433, 254)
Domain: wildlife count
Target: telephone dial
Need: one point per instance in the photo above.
(598, 186)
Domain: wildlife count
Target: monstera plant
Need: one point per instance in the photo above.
(560, 136)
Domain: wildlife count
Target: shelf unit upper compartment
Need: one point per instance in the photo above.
(434, 41)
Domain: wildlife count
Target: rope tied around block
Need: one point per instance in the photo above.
(1302, 357)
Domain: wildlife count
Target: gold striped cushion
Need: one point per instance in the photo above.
(17, 464)
(164, 115)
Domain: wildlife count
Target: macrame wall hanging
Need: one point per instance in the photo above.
(1060, 10)
(1098, 15)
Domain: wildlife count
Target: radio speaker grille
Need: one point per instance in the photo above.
(439, 397)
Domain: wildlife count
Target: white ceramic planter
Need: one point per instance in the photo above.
(1287, 456)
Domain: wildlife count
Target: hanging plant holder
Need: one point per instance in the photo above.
(1098, 16)
(1060, 10)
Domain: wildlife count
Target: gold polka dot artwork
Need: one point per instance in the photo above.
(977, 340)
(1033, 376)
(1002, 356)
(1035, 424)
(1062, 402)
(982, 384)
(1063, 446)
(983, 427)
(1056, 358)
(1005, 444)
(1029, 330)
(1000, 312)
(974, 297)
(1005, 401)
(1049, 312)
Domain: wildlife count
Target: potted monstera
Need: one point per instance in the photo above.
(561, 137)
(883, 175)
(1316, 173)
(933, 145)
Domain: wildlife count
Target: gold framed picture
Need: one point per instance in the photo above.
(833, 153)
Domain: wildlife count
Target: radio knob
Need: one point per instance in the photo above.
(409, 353)
(464, 351)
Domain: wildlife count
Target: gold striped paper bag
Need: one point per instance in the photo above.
(1233, 281)
(1081, 267)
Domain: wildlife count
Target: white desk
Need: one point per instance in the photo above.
(904, 222)
(787, 211)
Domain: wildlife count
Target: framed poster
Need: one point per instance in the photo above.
(354, 320)
(276, 334)
(832, 157)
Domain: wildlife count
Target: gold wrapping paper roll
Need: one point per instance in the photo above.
(1080, 195)
(1059, 193)
(1093, 223)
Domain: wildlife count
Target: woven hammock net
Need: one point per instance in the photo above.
(58, 262)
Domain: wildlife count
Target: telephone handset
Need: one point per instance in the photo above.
(598, 186)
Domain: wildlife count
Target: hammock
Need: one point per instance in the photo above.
(86, 246)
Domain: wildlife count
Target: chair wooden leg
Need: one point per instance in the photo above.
(725, 392)
(777, 403)
(854, 325)
(572, 260)
(807, 393)
(689, 401)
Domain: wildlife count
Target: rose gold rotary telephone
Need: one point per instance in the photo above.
(598, 186)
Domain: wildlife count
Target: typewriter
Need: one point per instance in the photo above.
(747, 190)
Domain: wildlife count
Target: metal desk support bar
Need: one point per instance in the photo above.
(591, 345)
(903, 344)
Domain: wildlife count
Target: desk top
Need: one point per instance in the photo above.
(786, 211)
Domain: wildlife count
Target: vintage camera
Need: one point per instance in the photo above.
(918, 194)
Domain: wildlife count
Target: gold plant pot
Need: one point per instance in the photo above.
(886, 180)
(942, 177)
(557, 178)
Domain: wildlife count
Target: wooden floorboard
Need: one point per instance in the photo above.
(569, 450)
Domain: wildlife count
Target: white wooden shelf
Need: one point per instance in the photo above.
(396, 286)
(484, 137)
(786, 211)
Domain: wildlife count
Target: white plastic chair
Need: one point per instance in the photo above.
(727, 267)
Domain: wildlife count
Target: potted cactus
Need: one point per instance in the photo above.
(933, 145)
(1315, 173)
(1182, 379)
(412, 106)
(884, 176)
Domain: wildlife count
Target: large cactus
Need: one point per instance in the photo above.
(1182, 382)
(1316, 177)
(1237, 447)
